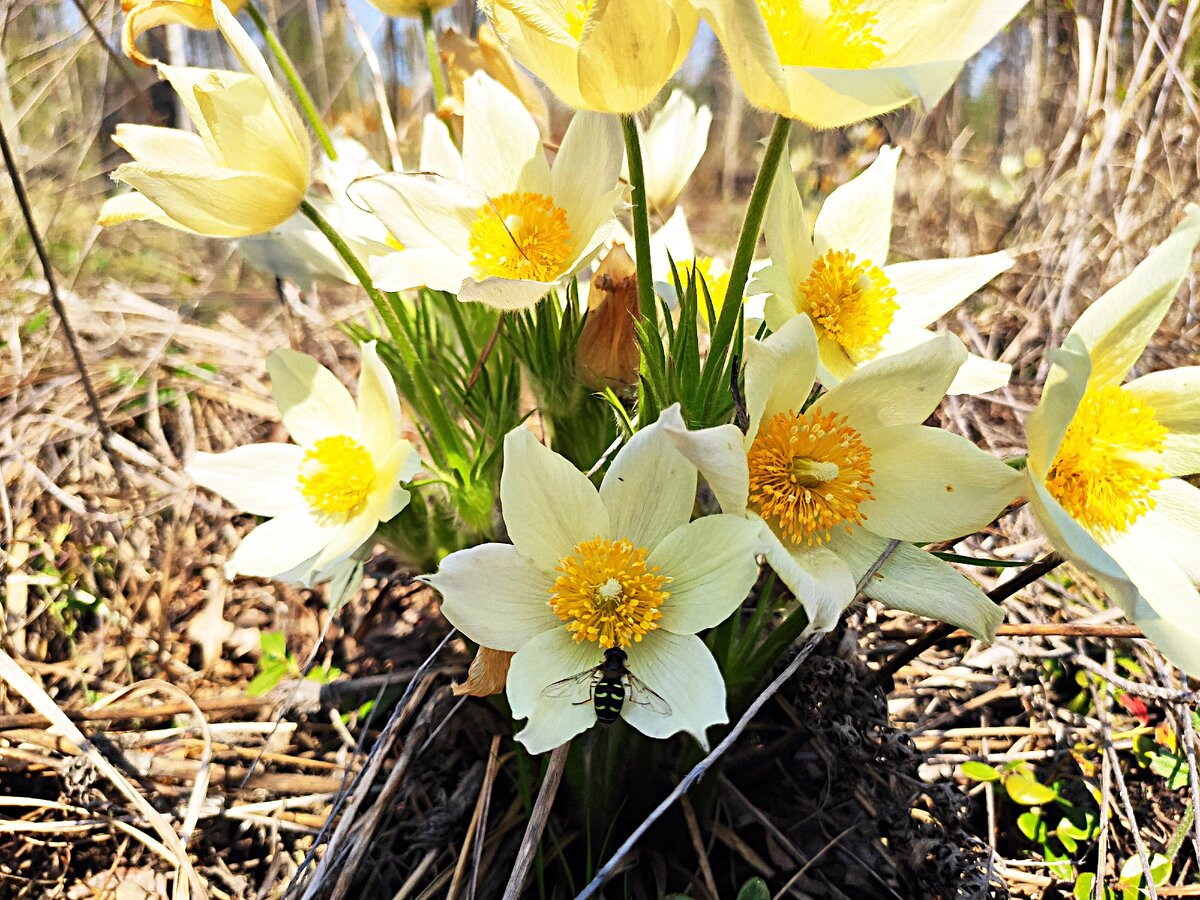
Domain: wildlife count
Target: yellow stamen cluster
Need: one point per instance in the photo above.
(336, 475)
(1100, 475)
(606, 594)
(577, 16)
(808, 473)
(717, 284)
(520, 235)
(853, 302)
(845, 39)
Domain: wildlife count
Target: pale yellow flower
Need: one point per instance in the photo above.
(1106, 458)
(619, 567)
(833, 62)
(409, 8)
(864, 309)
(244, 172)
(142, 15)
(603, 55)
(499, 225)
(464, 57)
(325, 495)
(672, 145)
(833, 480)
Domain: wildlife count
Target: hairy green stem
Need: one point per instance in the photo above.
(443, 428)
(731, 311)
(289, 71)
(641, 219)
(434, 58)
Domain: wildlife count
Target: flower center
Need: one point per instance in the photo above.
(605, 593)
(520, 236)
(718, 284)
(336, 475)
(577, 15)
(809, 472)
(854, 302)
(845, 39)
(1097, 475)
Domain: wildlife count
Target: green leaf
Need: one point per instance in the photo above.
(1172, 767)
(1084, 885)
(1032, 826)
(274, 645)
(1132, 873)
(1027, 791)
(978, 771)
(271, 675)
(1060, 863)
(754, 889)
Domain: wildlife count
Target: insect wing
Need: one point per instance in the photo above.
(638, 692)
(574, 686)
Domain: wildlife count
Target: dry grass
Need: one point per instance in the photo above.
(1079, 155)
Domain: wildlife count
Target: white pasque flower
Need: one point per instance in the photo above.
(326, 494)
(862, 308)
(1105, 458)
(590, 570)
(672, 146)
(298, 251)
(834, 480)
(509, 228)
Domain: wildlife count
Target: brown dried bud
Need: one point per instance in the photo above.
(608, 353)
(488, 674)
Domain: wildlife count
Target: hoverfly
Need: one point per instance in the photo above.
(609, 685)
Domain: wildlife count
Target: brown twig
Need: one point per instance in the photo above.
(478, 825)
(1024, 578)
(537, 821)
(693, 827)
(18, 183)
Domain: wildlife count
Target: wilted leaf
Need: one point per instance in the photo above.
(488, 674)
(608, 354)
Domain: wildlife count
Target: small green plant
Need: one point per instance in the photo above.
(277, 663)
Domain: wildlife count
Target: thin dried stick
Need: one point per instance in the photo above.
(478, 825)
(537, 821)
(60, 310)
(693, 827)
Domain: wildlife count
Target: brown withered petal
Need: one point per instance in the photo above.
(488, 674)
(608, 354)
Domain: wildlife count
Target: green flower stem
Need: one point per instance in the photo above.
(443, 428)
(285, 62)
(731, 310)
(641, 220)
(434, 58)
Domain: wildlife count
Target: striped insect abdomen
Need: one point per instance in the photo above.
(608, 696)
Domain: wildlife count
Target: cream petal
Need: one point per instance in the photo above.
(1169, 602)
(502, 147)
(1181, 455)
(312, 402)
(712, 566)
(245, 126)
(260, 479)
(495, 596)
(1065, 385)
(549, 506)
(979, 376)
(898, 390)
(400, 464)
(166, 147)
(673, 146)
(816, 576)
(720, 455)
(134, 207)
(917, 31)
(1071, 540)
(928, 289)
(438, 153)
(586, 171)
(682, 671)
(931, 485)
(857, 216)
(504, 293)
(281, 544)
(1174, 395)
(1116, 328)
(215, 202)
(780, 371)
(787, 233)
(353, 534)
(378, 405)
(422, 211)
(406, 269)
(832, 98)
(649, 489)
(540, 662)
(749, 49)
(918, 582)
(1173, 525)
